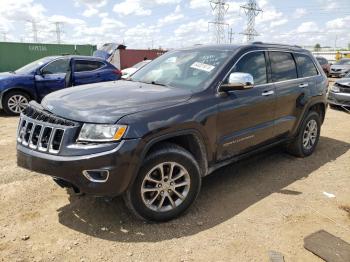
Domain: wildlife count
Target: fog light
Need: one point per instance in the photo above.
(97, 175)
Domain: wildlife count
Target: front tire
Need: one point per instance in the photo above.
(166, 186)
(15, 102)
(306, 141)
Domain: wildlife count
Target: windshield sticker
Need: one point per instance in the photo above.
(171, 60)
(203, 67)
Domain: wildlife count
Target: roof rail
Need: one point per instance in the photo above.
(275, 44)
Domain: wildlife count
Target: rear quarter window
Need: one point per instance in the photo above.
(85, 65)
(306, 66)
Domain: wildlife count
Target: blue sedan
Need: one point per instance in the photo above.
(49, 74)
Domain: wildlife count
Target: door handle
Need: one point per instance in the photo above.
(268, 93)
(304, 85)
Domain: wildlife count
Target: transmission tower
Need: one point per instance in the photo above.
(251, 10)
(219, 8)
(230, 36)
(4, 35)
(35, 31)
(58, 32)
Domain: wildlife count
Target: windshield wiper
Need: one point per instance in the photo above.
(148, 83)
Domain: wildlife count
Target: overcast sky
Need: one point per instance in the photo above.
(172, 23)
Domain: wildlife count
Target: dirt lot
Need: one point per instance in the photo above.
(269, 202)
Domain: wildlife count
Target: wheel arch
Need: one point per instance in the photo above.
(191, 140)
(318, 106)
(13, 89)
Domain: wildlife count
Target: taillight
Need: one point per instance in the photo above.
(117, 72)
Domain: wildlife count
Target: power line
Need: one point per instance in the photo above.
(219, 7)
(251, 10)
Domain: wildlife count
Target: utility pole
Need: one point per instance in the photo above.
(335, 42)
(251, 10)
(230, 35)
(219, 7)
(58, 32)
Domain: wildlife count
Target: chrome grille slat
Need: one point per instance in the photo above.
(31, 134)
(52, 146)
(26, 133)
(40, 145)
(33, 144)
(21, 130)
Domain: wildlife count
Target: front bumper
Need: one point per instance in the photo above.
(121, 162)
(339, 99)
(1, 95)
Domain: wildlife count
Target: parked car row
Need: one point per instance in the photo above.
(39, 78)
(339, 94)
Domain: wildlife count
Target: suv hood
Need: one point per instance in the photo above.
(343, 67)
(5, 75)
(107, 102)
(345, 82)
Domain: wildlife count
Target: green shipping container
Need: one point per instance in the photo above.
(16, 55)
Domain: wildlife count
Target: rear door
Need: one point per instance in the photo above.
(52, 77)
(292, 89)
(88, 71)
(246, 117)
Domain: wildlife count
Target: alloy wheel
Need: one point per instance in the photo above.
(165, 187)
(17, 103)
(310, 134)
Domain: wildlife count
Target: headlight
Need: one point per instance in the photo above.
(335, 88)
(101, 133)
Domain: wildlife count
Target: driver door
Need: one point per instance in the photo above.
(246, 117)
(52, 77)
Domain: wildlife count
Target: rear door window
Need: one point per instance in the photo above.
(306, 66)
(85, 65)
(283, 66)
(255, 64)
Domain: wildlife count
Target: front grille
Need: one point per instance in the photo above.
(40, 137)
(46, 117)
(42, 131)
(336, 70)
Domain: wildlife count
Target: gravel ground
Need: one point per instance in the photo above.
(268, 202)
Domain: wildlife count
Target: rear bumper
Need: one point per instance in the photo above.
(340, 99)
(120, 163)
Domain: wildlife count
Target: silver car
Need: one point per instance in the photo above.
(339, 94)
(340, 68)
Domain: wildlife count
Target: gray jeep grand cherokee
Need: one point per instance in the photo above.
(154, 137)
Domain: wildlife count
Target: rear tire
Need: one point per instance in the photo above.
(167, 184)
(14, 102)
(306, 141)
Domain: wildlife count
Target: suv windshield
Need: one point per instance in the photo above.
(191, 69)
(33, 65)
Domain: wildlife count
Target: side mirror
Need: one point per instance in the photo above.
(40, 72)
(238, 81)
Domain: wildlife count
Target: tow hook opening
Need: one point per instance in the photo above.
(64, 184)
(96, 175)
